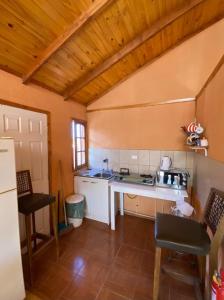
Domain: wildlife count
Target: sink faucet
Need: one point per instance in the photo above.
(106, 160)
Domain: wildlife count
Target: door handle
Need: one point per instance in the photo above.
(85, 181)
(93, 182)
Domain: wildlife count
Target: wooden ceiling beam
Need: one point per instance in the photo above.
(85, 17)
(133, 44)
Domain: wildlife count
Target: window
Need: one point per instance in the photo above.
(79, 144)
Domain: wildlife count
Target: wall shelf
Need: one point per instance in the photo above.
(196, 148)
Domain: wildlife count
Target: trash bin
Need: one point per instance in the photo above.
(75, 209)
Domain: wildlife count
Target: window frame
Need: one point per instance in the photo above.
(74, 140)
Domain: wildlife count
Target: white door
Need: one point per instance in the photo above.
(29, 130)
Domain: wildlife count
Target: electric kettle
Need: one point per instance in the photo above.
(165, 163)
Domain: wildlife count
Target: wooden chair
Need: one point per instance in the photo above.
(191, 237)
(29, 203)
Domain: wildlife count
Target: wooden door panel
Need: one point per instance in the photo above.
(29, 130)
(12, 123)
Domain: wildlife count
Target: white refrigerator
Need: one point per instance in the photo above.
(11, 274)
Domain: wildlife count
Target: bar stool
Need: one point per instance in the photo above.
(189, 236)
(29, 203)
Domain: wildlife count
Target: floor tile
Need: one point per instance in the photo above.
(121, 282)
(129, 258)
(107, 294)
(99, 264)
(80, 288)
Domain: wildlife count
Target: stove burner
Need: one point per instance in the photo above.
(146, 175)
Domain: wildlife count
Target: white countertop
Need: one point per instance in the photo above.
(148, 191)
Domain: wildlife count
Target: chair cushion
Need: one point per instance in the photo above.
(32, 202)
(181, 234)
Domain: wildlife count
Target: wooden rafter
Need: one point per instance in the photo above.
(212, 75)
(85, 17)
(137, 41)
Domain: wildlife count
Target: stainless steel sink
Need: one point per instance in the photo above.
(103, 175)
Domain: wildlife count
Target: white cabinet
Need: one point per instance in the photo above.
(96, 192)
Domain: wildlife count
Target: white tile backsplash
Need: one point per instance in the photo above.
(140, 161)
(144, 169)
(143, 157)
(154, 158)
(134, 169)
(180, 159)
(190, 160)
(124, 156)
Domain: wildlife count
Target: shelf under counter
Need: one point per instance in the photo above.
(154, 192)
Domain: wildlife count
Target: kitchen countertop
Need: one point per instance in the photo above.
(148, 190)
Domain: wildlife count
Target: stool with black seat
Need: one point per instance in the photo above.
(28, 204)
(189, 236)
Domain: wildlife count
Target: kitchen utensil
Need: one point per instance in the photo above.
(165, 163)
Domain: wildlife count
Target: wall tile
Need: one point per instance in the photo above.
(143, 157)
(114, 166)
(124, 165)
(154, 158)
(180, 159)
(144, 169)
(124, 156)
(133, 157)
(190, 160)
(133, 169)
(153, 170)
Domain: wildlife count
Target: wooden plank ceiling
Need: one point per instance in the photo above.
(81, 49)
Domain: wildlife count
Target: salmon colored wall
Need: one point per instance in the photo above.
(210, 112)
(154, 127)
(178, 74)
(61, 112)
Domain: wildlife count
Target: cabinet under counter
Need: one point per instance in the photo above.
(96, 193)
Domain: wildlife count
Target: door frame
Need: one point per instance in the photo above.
(48, 114)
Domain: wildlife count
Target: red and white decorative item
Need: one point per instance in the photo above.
(194, 132)
(191, 128)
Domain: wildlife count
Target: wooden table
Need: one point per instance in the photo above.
(141, 190)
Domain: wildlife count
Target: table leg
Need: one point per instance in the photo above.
(112, 209)
(121, 204)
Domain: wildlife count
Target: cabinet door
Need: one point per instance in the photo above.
(100, 200)
(83, 187)
(130, 203)
(96, 197)
(147, 206)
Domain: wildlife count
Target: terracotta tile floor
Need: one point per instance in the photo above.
(99, 264)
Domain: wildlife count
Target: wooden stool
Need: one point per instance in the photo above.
(28, 203)
(188, 236)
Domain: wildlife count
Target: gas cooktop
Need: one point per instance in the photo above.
(136, 179)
